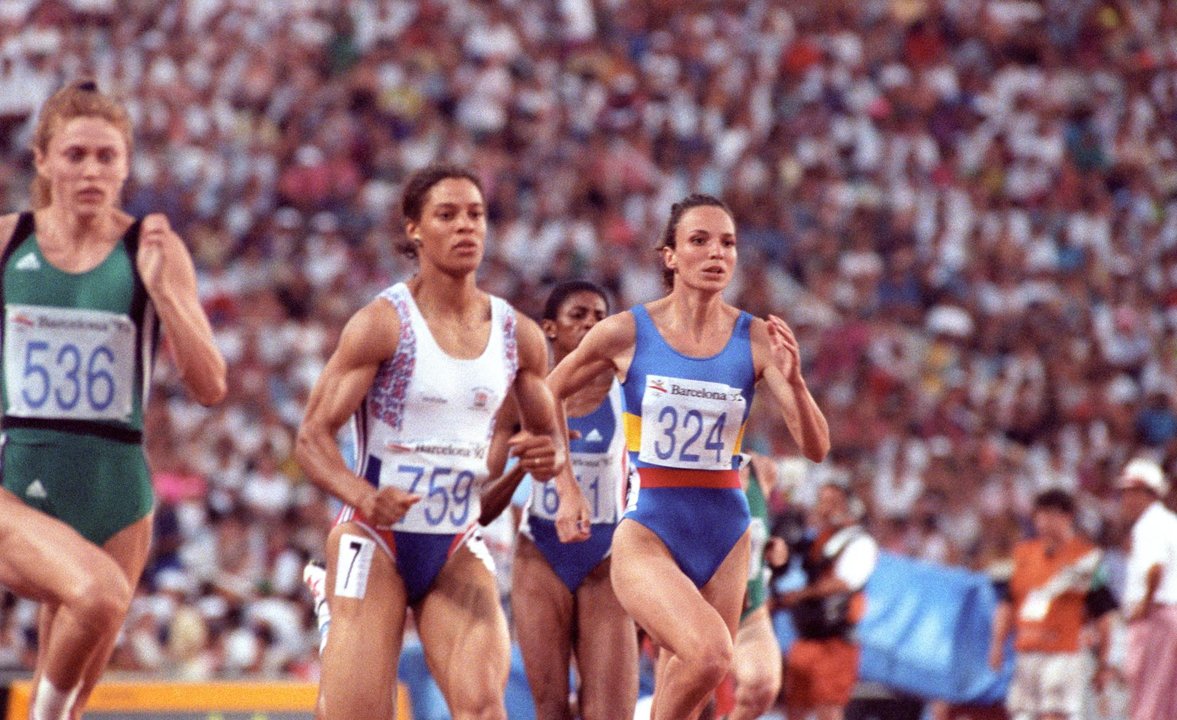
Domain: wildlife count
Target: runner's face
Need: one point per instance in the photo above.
(704, 255)
(452, 229)
(576, 316)
(86, 165)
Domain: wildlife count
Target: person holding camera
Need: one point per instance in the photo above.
(822, 665)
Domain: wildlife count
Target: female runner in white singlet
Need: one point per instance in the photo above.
(424, 368)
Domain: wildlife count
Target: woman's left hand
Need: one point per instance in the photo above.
(785, 352)
(156, 242)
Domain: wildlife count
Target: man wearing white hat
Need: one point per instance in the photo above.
(1150, 592)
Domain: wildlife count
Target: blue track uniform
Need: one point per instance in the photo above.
(598, 459)
(684, 426)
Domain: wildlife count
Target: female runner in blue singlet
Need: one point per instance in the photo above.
(562, 600)
(688, 364)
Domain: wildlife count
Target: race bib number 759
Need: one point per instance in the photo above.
(447, 475)
(68, 363)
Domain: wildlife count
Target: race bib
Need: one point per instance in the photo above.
(448, 475)
(690, 424)
(68, 363)
(597, 476)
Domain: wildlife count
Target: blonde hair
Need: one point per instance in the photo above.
(78, 99)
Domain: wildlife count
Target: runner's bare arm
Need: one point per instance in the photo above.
(170, 278)
(499, 489)
(369, 338)
(608, 347)
(778, 363)
(538, 445)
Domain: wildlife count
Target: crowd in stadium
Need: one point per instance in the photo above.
(964, 208)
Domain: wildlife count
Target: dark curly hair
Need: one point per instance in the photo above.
(563, 290)
(417, 189)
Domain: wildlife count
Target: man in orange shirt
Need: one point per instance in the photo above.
(1055, 588)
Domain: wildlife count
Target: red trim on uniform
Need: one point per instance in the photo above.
(654, 477)
(457, 542)
(350, 514)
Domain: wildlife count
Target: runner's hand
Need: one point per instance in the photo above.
(386, 506)
(539, 455)
(785, 352)
(156, 240)
(573, 521)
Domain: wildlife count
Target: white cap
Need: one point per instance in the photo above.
(1143, 472)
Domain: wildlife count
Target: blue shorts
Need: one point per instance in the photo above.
(572, 562)
(698, 525)
(419, 557)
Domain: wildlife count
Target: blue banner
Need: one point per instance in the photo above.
(926, 632)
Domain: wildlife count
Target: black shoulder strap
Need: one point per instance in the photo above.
(131, 237)
(131, 245)
(24, 228)
(23, 231)
(139, 297)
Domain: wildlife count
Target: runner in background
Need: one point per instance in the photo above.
(562, 600)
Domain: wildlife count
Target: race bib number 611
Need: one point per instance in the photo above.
(690, 424)
(68, 363)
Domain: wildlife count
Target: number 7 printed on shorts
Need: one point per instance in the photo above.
(353, 566)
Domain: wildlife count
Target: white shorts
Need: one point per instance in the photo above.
(1048, 683)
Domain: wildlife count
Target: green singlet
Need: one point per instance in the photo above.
(77, 356)
(757, 592)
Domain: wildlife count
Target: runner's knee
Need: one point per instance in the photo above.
(479, 699)
(757, 693)
(100, 601)
(711, 659)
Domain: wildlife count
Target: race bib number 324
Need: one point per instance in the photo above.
(68, 363)
(690, 424)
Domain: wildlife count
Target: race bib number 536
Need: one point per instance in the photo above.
(691, 424)
(68, 363)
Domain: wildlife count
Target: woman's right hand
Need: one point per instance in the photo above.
(384, 507)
